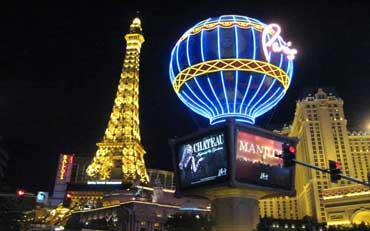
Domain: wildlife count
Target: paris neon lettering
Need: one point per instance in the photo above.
(276, 43)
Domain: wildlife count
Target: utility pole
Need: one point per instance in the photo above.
(340, 175)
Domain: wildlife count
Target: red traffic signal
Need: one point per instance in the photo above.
(67, 200)
(333, 165)
(335, 171)
(20, 192)
(288, 154)
(291, 149)
(69, 195)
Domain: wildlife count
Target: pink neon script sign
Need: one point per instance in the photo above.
(276, 43)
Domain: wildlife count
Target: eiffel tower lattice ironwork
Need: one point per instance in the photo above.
(120, 155)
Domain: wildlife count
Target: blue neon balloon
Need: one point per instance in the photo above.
(231, 66)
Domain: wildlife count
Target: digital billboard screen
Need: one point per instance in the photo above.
(202, 160)
(256, 163)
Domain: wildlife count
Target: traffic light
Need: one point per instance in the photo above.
(20, 193)
(67, 200)
(334, 170)
(288, 155)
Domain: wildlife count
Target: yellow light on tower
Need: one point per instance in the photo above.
(120, 154)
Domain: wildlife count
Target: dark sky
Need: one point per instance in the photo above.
(60, 67)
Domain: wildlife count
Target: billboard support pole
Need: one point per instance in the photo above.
(328, 171)
(234, 209)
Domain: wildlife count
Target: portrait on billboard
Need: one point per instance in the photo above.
(257, 164)
(202, 160)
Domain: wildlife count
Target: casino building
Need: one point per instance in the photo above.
(141, 207)
(320, 124)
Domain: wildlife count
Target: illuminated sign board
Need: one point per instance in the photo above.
(232, 155)
(256, 163)
(65, 167)
(202, 160)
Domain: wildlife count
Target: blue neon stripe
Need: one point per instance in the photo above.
(201, 41)
(237, 56)
(268, 90)
(271, 105)
(218, 122)
(170, 71)
(250, 77)
(246, 93)
(254, 38)
(193, 108)
(221, 72)
(236, 39)
(236, 89)
(172, 74)
(288, 72)
(291, 71)
(254, 44)
(196, 107)
(263, 107)
(187, 50)
(214, 94)
(243, 121)
(264, 95)
(201, 101)
(255, 94)
(177, 59)
(223, 86)
(196, 81)
(201, 45)
(195, 95)
(205, 95)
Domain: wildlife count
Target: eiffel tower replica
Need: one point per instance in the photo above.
(120, 155)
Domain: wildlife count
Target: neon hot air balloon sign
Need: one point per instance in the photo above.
(231, 66)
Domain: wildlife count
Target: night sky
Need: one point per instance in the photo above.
(60, 67)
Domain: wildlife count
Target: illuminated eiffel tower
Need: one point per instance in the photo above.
(120, 154)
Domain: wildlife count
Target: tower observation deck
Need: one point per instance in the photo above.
(120, 155)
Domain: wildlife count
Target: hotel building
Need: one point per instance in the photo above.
(321, 127)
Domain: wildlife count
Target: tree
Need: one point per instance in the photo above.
(264, 224)
(363, 227)
(10, 214)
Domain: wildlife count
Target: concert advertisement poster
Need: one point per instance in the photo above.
(256, 162)
(202, 160)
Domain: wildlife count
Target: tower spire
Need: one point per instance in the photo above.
(120, 154)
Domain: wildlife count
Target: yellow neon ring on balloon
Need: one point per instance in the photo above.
(236, 64)
(222, 24)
